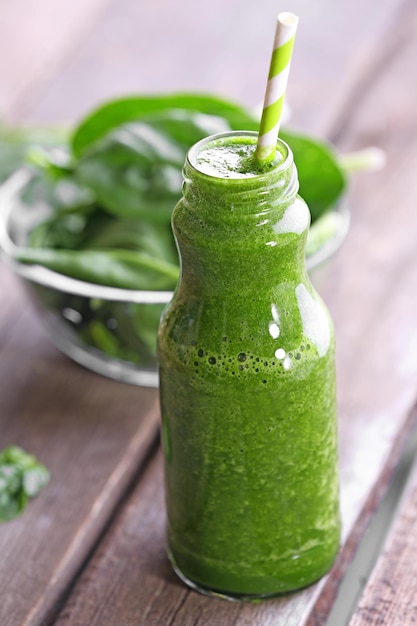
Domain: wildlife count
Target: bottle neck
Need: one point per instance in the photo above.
(236, 232)
(242, 193)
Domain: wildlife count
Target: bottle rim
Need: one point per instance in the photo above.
(281, 167)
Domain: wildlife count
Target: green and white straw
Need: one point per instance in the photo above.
(277, 83)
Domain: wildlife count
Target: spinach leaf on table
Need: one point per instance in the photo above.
(21, 477)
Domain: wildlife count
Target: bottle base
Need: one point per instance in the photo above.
(231, 596)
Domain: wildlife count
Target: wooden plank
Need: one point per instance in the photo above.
(369, 286)
(92, 433)
(377, 339)
(389, 598)
(130, 581)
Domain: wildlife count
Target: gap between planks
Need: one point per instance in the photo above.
(143, 447)
(389, 598)
(372, 543)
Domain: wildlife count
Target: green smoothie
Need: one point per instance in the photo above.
(247, 382)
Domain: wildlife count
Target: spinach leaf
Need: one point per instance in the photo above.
(16, 142)
(114, 113)
(134, 235)
(115, 268)
(183, 119)
(21, 477)
(122, 330)
(325, 228)
(135, 339)
(322, 180)
(134, 172)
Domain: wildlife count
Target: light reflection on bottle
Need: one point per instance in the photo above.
(314, 320)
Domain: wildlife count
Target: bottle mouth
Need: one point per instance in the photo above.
(276, 168)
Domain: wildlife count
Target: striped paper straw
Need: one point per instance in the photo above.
(277, 83)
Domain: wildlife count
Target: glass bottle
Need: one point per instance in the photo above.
(247, 382)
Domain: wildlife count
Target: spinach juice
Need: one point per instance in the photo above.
(247, 382)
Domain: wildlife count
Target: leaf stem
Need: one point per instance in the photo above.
(371, 159)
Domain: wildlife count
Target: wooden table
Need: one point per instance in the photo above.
(90, 550)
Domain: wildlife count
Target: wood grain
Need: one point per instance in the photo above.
(130, 581)
(92, 433)
(389, 598)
